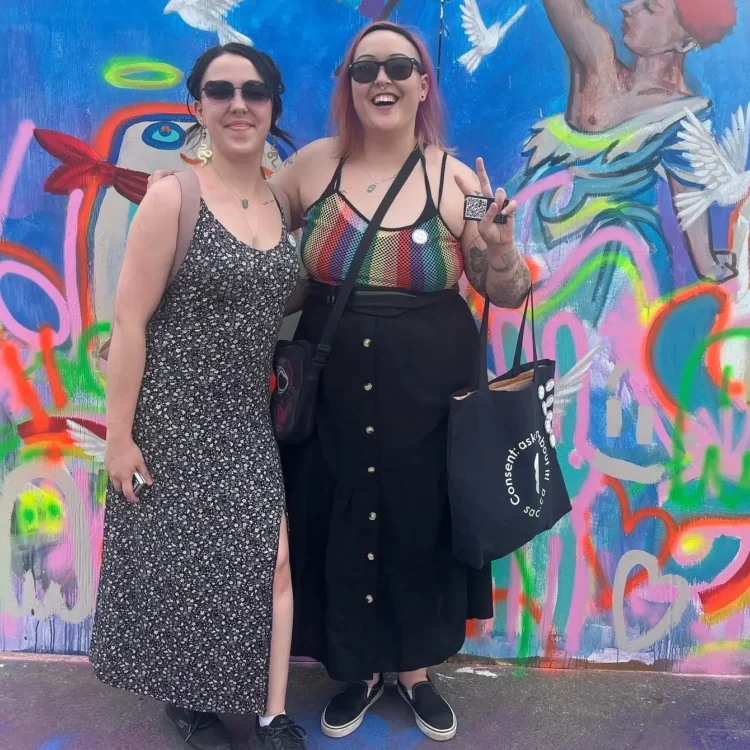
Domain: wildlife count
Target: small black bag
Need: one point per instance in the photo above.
(298, 363)
(504, 479)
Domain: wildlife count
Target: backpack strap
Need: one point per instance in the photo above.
(190, 203)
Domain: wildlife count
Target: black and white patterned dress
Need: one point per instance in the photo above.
(184, 608)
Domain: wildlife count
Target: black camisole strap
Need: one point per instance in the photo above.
(426, 178)
(278, 204)
(335, 182)
(442, 178)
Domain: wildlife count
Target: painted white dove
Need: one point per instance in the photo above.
(208, 15)
(555, 396)
(718, 167)
(566, 388)
(485, 40)
(91, 444)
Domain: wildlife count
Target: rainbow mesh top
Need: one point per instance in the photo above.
(423, 257)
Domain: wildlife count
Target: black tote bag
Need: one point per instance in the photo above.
(504, 479)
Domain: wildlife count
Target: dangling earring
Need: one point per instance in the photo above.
(204, 152)
(274, 152)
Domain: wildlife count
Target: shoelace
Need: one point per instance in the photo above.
(199, 720)
(290, 735)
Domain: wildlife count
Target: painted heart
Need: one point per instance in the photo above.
(673, 615)
(630, 519)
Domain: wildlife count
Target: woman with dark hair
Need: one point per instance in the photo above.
(195, 601)
(377, 588)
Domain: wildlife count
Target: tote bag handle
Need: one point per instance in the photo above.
(484, 383)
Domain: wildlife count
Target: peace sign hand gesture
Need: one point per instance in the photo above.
(496, 236)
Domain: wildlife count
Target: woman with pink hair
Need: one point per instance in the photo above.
(376, 586)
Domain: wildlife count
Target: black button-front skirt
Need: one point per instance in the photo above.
(375, 583)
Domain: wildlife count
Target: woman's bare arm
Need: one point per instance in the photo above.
(288, 180)
(297, 300)
(304, 168)
(506, 281)
(492, 263)
(150, 249)
(310, 166)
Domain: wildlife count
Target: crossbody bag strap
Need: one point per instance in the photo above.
(323, 349)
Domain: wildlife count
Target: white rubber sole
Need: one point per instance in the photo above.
(338, 732)
(439, 735)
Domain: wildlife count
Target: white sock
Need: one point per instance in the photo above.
(370, 688)
(266, 720)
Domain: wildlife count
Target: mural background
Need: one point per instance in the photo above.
(653, 565)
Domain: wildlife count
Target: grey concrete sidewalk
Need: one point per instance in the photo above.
(59, 705)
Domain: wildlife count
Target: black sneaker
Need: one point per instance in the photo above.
(281, 734)
(346, 712)
(433, 714)
(203, 731)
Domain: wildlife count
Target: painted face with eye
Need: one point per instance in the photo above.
(387, 81)
(652, 27)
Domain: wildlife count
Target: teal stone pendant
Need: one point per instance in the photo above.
(245, 203)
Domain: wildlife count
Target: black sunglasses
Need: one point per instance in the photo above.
(252, 91)
(396, 68)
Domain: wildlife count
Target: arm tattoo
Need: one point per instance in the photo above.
(508, 261)
(506, 283)
(478, 262)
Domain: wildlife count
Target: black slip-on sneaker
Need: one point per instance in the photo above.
(432, 712)
(200, 730)
(346, 712)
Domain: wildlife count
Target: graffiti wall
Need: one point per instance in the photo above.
(622, 130)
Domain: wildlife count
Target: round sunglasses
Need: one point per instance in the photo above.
(396, 68)
(252, 91)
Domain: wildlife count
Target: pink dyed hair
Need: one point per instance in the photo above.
(429, 128)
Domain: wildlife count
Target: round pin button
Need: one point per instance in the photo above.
(419, 236)
(292, 241)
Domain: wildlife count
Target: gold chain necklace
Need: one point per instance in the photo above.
(374, 184)
(244, 202)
